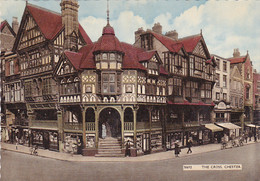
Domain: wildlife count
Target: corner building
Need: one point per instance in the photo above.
(98, 96)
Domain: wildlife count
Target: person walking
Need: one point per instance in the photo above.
(177, 150)
(189, 145)
(127, 148)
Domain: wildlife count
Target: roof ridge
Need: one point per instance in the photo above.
(243, 56)
(189, 36)
(42, 8)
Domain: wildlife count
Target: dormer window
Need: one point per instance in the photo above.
(104, 56)
(112, 56)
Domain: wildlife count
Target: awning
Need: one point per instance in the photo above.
(228, 125)
(252, 126)
(213, 127)
(41, 128)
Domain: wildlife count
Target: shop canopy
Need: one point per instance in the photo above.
(213, 127)
(228, 125)
(252, 126)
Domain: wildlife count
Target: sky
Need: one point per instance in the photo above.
(225, 25)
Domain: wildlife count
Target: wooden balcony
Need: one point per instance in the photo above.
(72, 126)
(156, 124)
(44, 124)
(173, 125)
(142, 125)
(90, 126)
(129, 126)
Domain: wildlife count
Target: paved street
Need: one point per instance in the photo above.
(18, 166)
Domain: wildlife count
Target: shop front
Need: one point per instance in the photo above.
(215, 132)
(231, 130)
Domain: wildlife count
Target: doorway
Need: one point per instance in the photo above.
(109, 123)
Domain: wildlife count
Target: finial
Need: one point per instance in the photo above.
(201, 31)
(26, 2)
(108, 12)
(247, 52)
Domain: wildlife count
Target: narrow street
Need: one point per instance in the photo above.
(21, 167)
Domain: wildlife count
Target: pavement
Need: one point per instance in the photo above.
(151, 157)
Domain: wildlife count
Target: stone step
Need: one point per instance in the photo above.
(109, 151)
(109, 147)
(110, 155)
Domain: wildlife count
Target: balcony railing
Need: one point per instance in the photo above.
(73, 126)
(191, 123)
(173, 125)
(45, 124)
(128, 126)
(221, 119)
(142, 125)
(156, 124)
(90, 126)
(21, 123)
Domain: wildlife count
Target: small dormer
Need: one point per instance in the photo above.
(151, 61)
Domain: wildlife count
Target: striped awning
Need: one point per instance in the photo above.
(228, 125)
(213, 127)
(252, 126)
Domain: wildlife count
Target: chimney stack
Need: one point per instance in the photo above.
(172, 34)
(236, 53)
(157, 28)
(69, 13)
(138, 33)
(15, 24)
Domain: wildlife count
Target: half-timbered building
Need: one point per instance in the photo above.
(42, 37)
(189, 82)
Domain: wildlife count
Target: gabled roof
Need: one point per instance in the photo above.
(74, 58)
(87, 61)
(163, 71)
(146, 55)
(50, 23)
(240, 59)
(5, 23)
(190, 42)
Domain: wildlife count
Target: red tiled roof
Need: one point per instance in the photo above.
(108, 41)
(75, 58)
(237, 59)
(87, 61)
(146, 55)
(131, 60)
(3, 23)
(163, 71)
(50, 22)
(84, 35)
(190, 42)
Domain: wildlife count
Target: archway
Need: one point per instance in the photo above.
(109, 123)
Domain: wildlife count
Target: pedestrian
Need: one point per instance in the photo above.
(104, 131)
(189, 145)
(127, 149)
(177, 150)
(246, 136)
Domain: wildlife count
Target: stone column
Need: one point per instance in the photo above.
(242, 117)
(96, 127)
(122, 127)
(60, 130)
(135, 120)
(84, 126)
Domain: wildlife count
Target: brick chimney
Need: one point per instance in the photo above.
(69, 13)
(172, 34)
(138, 33)
(236, 53)
(157, 28)
(15, 24)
